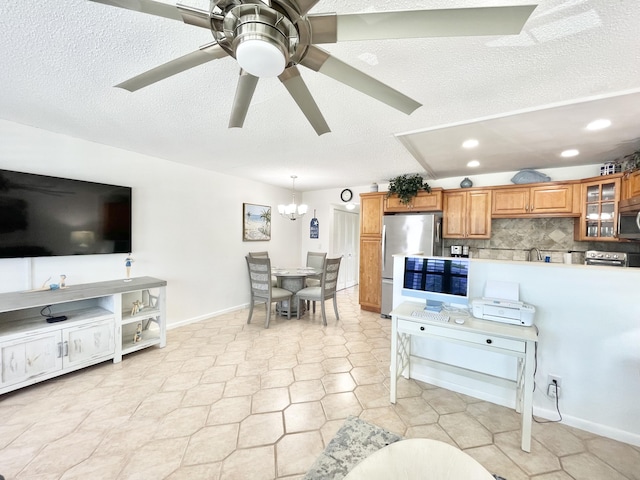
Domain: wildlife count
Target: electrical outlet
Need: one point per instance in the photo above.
(554, 384)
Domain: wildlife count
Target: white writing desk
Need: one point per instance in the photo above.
(512, 340)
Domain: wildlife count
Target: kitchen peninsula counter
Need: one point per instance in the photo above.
(589, 331)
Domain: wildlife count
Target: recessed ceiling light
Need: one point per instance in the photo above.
(473, 163)
(570, 153)
(599, 124)
(471, 143)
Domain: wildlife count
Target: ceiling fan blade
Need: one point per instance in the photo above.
(321, 61)
(305, 5)
(183, 13)
(294, 83)
(206, 53)
(449, 22)
(244, 92)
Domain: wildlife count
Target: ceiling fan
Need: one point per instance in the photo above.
(272, 37)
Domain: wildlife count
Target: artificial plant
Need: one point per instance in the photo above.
(407, 186)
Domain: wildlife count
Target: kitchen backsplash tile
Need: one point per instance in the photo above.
(513, 238)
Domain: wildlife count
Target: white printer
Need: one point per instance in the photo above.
(505, 311)
(501, 303)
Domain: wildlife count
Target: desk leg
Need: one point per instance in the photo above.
(400, 357)
(527, 406)
(393, 385)
(520, 385)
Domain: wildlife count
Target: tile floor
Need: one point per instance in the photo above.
(227, 400)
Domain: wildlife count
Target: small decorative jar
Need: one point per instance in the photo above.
(373, 187)
(466, 183)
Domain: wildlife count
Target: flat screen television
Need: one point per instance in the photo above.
(43, 216)
(437, 280)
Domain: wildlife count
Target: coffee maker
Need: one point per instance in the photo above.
(459, 251)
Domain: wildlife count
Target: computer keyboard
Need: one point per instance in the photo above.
(432, 316)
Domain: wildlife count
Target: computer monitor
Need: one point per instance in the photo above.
(437, 280)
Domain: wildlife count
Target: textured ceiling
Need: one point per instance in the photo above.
(61, 60)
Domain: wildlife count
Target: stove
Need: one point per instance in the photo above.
(611, 259)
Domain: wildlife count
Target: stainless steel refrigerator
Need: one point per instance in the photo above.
(408, 233)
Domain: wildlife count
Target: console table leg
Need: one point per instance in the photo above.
(393, 384)
(527, 407)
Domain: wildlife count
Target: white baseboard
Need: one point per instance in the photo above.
(199, 318)
(589, 426)
(494, 395)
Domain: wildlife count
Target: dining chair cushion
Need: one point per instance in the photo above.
(309, 293)
(278, 294)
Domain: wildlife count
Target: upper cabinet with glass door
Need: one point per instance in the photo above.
(598, 221)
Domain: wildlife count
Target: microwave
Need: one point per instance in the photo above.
(629, 219)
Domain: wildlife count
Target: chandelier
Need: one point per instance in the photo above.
(292, 211)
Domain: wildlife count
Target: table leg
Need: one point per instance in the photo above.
(293, 284)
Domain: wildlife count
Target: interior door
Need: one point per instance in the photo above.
(345, 242)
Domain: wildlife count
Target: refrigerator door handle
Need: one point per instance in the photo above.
(384, 244)
(438, 232)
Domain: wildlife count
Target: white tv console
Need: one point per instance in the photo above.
(101, 324)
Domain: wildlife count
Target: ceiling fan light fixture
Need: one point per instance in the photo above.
(572, 152)
(260, 40)
(260, 57)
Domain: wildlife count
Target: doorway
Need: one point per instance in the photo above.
(345, 241)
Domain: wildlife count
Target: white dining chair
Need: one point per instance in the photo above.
(265, 254)
(315, 260)
(326, 290)
(262, 291)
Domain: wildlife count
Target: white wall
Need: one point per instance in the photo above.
(187, 223)
(324, 202)
(589, 335)
(188, 230)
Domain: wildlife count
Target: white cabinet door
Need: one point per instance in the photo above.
(28, 358)
(89, 342)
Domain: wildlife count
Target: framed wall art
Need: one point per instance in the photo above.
(256, 223)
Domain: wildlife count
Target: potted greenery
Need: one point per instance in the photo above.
(407, 186)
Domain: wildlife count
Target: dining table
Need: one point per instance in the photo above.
(292, 279)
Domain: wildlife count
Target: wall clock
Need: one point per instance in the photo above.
(346, 195)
